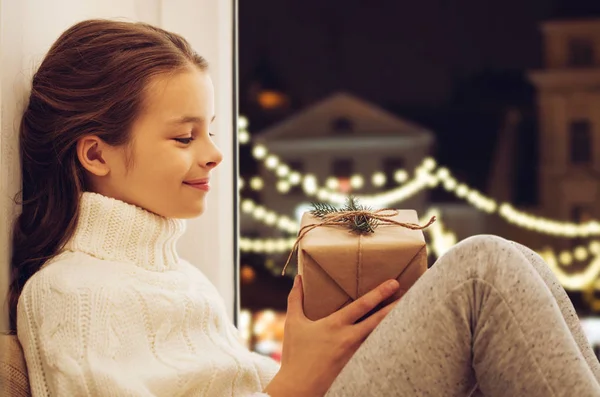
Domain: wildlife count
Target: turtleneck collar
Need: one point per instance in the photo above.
(113, 230)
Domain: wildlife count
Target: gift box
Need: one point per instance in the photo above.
(339, 265)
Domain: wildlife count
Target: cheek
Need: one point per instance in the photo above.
(169, 166)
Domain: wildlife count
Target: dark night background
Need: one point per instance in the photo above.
(452, 66)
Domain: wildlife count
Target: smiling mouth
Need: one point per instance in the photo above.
(202, 185)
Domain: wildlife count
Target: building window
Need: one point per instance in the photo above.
(390, 166)
(342, 169)
(581, 52)
(342, 125)
(296, 165)
(581, 142)
(580, 214)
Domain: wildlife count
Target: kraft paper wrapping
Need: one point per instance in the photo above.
(338, 266)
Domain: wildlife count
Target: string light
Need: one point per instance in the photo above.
(256, 183)
(259, 152)
(283, 186)
(378, 179)
(400, 176)
(283, 170)
(357, 181)
(243, 123)
(295, 178)
(271, 161)
(332, 183)
(432, 177)
(309, 184)
(441, 241)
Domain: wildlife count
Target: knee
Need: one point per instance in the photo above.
(483, 243)
(480, 256)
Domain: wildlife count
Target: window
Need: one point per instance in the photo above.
(581, 52)
(390, 166)
(342, 125)
(342, 168)
(581, 142)
(580, 214)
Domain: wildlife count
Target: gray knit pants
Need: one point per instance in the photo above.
(489, 318)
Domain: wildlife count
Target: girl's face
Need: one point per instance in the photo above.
(167, 165)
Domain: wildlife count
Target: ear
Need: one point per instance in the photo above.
(90, 153)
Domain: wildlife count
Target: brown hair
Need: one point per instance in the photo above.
(92, 81)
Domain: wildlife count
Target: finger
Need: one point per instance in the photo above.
(295, 308)
(365, 327)
(355, 310)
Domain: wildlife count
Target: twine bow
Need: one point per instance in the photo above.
(350, 217)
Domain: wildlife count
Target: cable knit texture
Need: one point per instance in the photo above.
(118, 313)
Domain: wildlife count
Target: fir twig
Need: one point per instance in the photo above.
(360, 224)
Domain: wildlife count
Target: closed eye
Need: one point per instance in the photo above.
(185, 141)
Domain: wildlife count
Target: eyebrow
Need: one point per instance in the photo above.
(190, 119)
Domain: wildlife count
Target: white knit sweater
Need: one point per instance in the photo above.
(118, 313)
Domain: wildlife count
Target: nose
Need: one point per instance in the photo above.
(212, 156)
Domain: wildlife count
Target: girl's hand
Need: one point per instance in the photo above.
(314, 352)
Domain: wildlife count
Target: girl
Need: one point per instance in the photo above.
(116, 149)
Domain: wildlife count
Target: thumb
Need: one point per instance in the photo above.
(296, 298)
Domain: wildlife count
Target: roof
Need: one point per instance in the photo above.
(343, 114)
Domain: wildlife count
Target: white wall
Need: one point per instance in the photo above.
(28, 28)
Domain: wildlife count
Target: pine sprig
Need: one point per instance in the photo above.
(321, 209)
(361, 224)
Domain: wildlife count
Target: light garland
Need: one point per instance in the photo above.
(441, 241)
(443, 175)
(268, 217)
(427, 176)
(357, 181)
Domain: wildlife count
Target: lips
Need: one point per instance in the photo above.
(201, 184)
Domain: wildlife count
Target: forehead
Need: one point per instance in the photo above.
(188, 93)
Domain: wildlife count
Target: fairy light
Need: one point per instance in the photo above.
(429, 164)
(282, 170)
(242, 122)
(332, 183)
(259, 213)
(378, 179)
(357, 181)
(247, 205)
(323, 194)
(581, 254)
(565, 258)
(309, 184)
(400, 176)
(243, 137)
(259, 152)
(241, 183)
(270, 218)
(462, 191)
(283, 186)
(295, 178)
(271, 161)
(256, 183)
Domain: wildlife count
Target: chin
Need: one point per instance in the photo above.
(191, 212)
